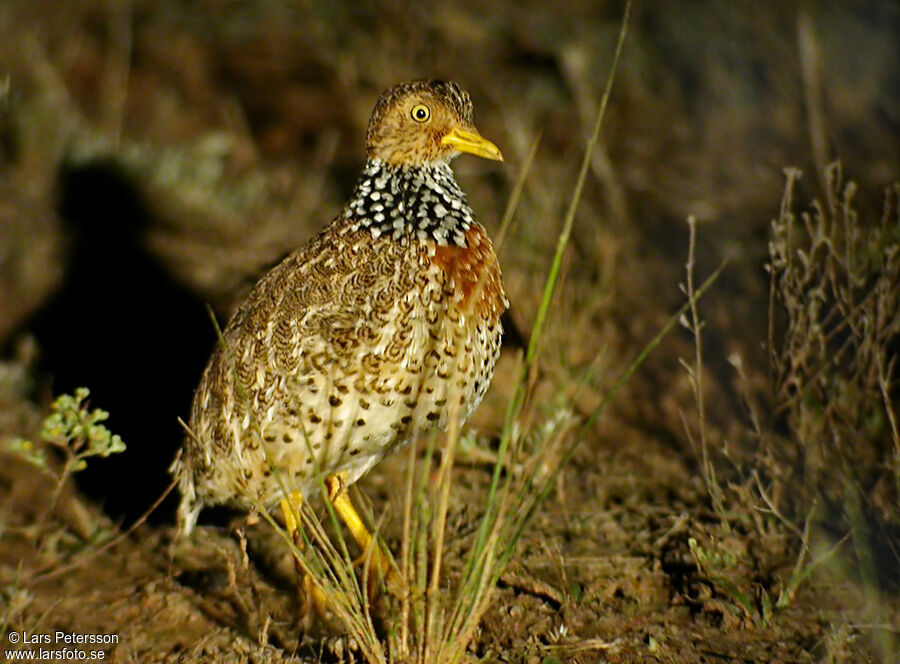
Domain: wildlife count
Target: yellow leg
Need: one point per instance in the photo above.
(337, 493)
(290, 510)
(290, 507)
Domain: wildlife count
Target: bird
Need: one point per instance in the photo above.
(384, 326)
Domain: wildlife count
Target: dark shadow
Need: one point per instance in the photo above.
(124, 328)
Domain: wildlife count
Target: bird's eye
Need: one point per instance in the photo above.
(421, 113)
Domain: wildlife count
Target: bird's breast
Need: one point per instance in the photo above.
(473, 274)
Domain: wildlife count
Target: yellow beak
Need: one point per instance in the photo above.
(472, 142)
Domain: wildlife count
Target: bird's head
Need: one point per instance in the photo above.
(425, 122)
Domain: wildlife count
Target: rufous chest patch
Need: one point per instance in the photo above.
(474, 273)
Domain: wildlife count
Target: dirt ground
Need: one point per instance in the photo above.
(159, 156)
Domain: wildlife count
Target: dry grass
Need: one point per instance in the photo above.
(824, 479)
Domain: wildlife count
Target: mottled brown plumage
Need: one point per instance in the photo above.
(363, 338)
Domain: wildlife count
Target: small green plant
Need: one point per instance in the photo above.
(721, 566)
(76, 431)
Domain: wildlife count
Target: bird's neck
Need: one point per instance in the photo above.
(406, 202)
